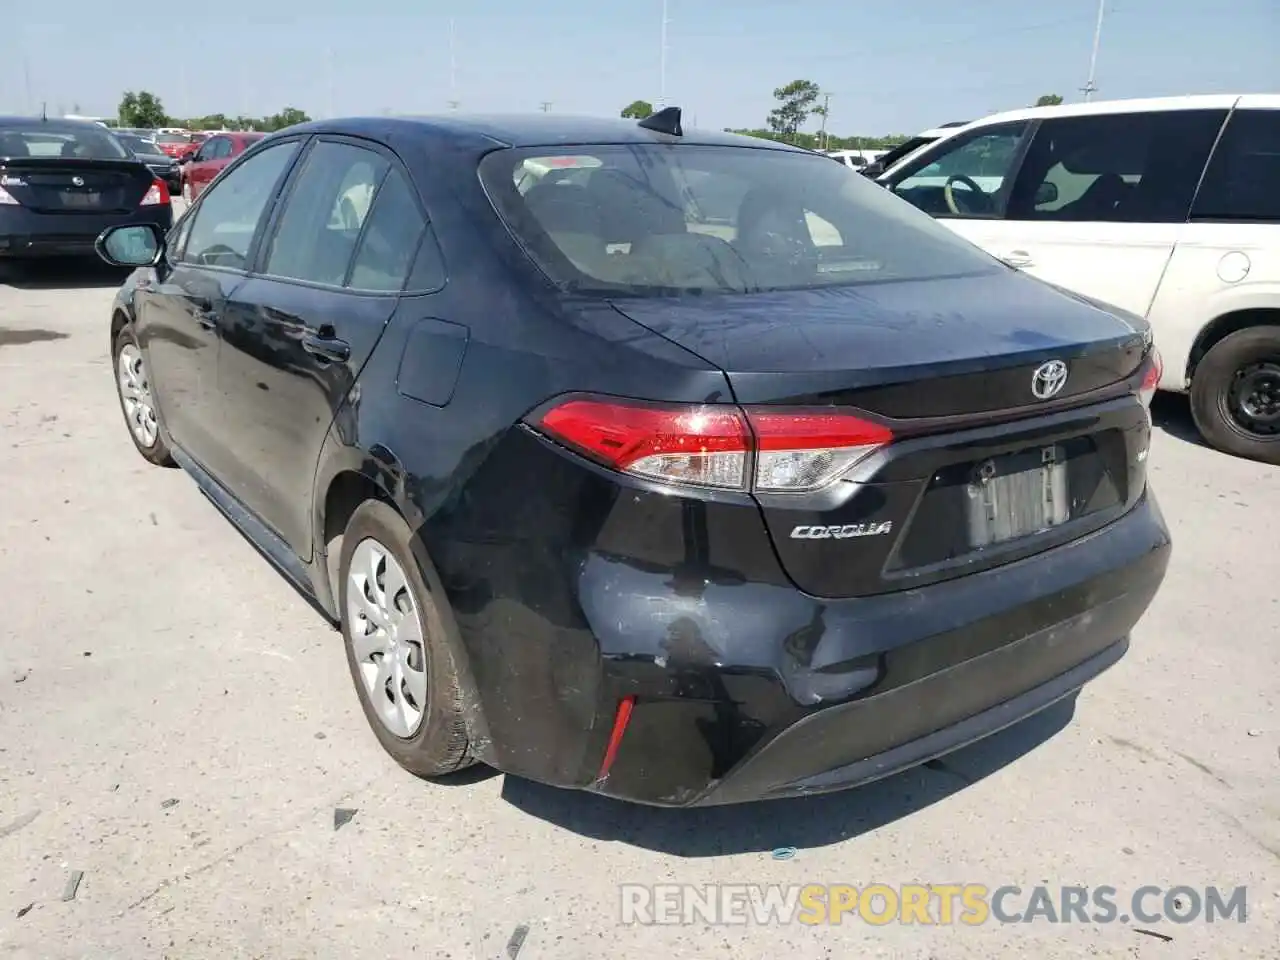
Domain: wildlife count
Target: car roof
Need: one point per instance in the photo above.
(51, 125)
(1213, 101)
(530, 130)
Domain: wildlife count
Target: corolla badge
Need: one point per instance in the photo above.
(842, 532)
(77, 181)
(1049, 379)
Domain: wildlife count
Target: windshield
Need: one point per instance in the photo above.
(655, 219)
(139, 145)
(89, 142)
(172, 138)
(904, 150)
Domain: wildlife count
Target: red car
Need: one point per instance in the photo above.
(173, 144)
(214, 154)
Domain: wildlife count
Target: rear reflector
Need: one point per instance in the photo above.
(715, 445)
(158, 194)
(620, 721)
(6, 197)
(1151, 378)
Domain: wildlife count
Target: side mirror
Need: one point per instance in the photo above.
(872, 169)
(131, 245)
(1046, 193)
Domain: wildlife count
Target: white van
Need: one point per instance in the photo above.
(1168, 208)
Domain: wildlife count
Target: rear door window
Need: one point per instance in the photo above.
(1118, 168)
(967, 177)
(224, 224)
(392, 229)
(320, 227)
(1242, 183)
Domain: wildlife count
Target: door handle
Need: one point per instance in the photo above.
(1018, 259)
(325, 347)
(204, 314)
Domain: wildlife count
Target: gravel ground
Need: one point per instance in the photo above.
(177, 724)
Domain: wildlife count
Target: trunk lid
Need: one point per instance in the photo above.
(972, 343)
(58, 185)
(982, 471)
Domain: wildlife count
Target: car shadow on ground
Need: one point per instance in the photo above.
(1171, 412)
(800, 823)
(61, 274)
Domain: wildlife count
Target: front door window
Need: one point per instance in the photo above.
(969, 177)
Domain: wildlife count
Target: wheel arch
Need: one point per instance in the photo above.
(1221, 327)
(119, 320)
(347, 484)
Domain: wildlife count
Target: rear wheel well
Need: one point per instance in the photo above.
(1218, 329)
(345, 494)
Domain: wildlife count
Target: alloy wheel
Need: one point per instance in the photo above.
(135, 395)
(386, 638)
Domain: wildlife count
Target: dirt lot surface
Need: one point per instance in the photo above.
(177, 724)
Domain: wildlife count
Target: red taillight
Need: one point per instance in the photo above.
(713, 445)
(158, 194)
(703, 445)
(1151, 378)
(620, 721)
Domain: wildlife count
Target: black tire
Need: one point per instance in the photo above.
(440, 745)
(159, 452)
(1211, 388)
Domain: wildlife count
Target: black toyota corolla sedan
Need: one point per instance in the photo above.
(614, 488)
(62, 182)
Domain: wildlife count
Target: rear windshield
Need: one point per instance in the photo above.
(172, 138)
(657, 220)
(90, 142)
(137, 144)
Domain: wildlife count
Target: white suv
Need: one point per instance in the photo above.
(1167, 208)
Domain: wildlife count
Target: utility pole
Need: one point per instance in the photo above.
(1090, 87)
(453, 66)
(662, 60)
(546, 106)
(826, 109)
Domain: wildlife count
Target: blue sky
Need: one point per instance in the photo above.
(889, 67)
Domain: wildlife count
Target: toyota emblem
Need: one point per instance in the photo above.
(77, 181)
(1049, 379)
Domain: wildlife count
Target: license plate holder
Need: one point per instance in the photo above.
(1017, 496)
(81, 201)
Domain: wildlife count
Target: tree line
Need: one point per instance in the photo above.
(145, 110)
(797, 106)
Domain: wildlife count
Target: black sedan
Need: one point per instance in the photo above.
(615, 495)
(158, 162)
(62, 182)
